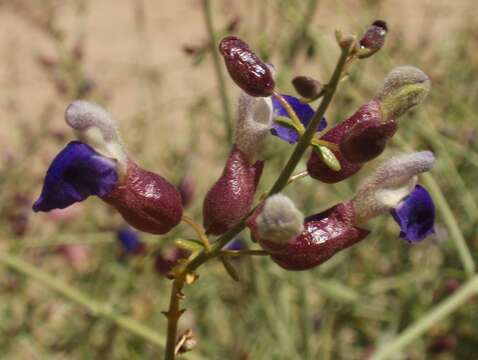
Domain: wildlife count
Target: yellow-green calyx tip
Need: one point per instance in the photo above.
(404, 87)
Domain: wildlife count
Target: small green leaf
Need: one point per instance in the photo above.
(229, 268)
(328, 156)
(189, 244)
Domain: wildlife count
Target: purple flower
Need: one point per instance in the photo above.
(303, 111)
(416, 215)
(129, 240)
(237, 244)
(74, 174)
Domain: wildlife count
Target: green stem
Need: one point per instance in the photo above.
(301, 34)
(244, 252)
(218, 70)
(305, 140)
(305, 318)
(442, 310)
(95, 308)
(281, 182)
(173, 315)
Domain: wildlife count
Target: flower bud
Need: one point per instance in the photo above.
(323, 235)
(390, 183)
(319, 170)
(404, 87)
(307, 87)
(249, 72)
(253, 124)
(146, 201)
(373, 39)
(165, 262)
(94, 125)
(230, 198)
(279, 220)
(367, 140)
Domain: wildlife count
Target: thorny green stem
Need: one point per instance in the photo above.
(206, 4)
(173, 312)
(442, 310)
(95, 308)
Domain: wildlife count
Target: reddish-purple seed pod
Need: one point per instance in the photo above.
(318, 169)
(323, 236)
(249, 72)
(373, 39)
(146, 201)
(231, 196)
(367, 140)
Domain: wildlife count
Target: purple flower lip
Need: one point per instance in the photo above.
(75, 173)
(416, 215)
(303, 111)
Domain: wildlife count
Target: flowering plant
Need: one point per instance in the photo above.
(97, 163)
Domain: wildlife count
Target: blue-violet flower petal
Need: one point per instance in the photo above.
(416, 215)
(75, 173)
(129, 240)
(303, 111)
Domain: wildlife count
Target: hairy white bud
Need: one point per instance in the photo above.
(253, 124)
(94, 125)
(404, 87)
(280, 221)
(391, 182)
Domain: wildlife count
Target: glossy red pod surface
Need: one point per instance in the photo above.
(147, 201)
(249, 72)
(323, 236)
(318, 169)
(230, 198)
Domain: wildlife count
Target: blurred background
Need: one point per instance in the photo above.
(150, 64)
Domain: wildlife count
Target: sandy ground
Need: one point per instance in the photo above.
(133, 51)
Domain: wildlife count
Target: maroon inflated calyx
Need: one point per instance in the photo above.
(230, 198)
(316, 166)
(249, 72)
(367, 140)
(323, 236)
(146, 201)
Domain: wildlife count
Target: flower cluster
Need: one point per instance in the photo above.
(98, 164)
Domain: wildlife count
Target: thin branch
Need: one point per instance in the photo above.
(438, 313)
(206, 4)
